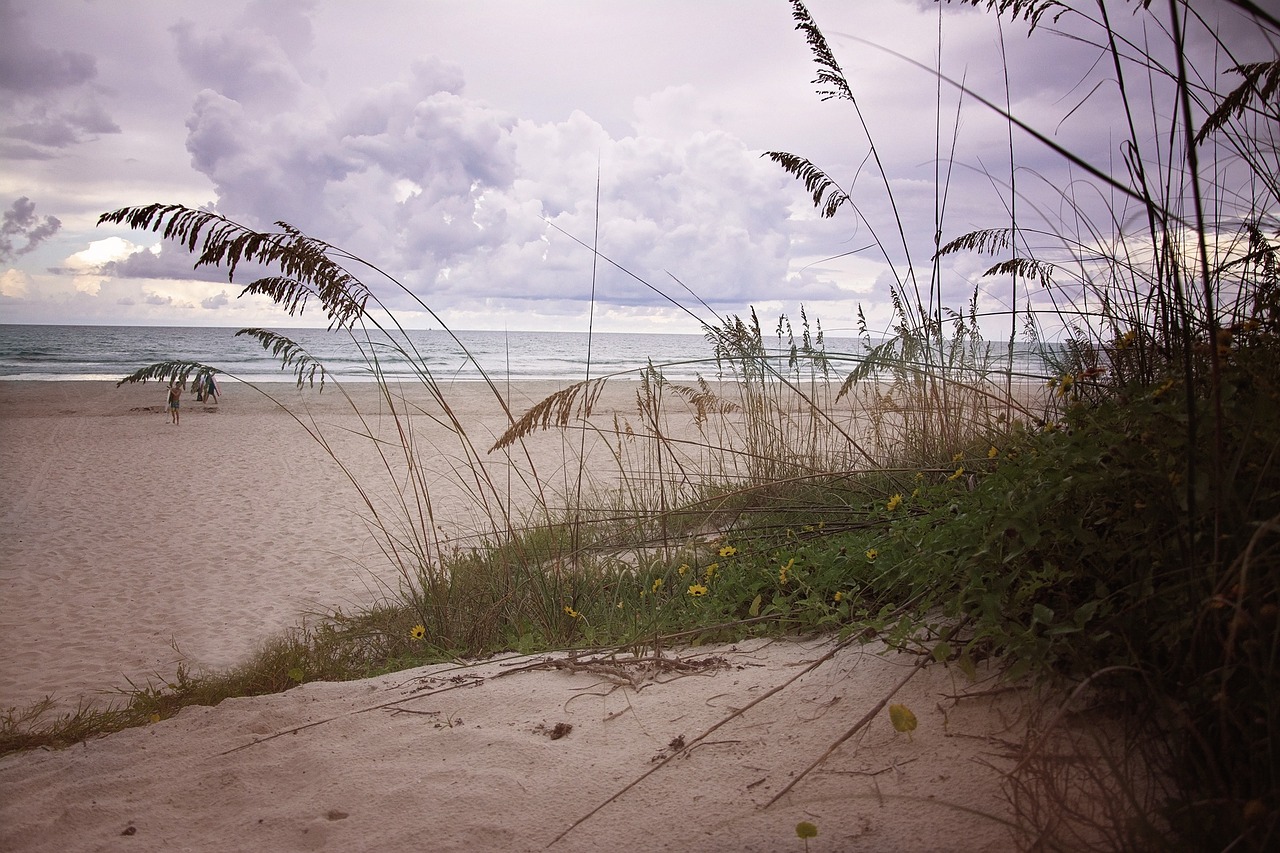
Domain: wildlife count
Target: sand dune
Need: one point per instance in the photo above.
(468, 758)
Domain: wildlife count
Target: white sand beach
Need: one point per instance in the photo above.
(125, 536)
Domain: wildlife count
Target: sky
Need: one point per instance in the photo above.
(474, 152)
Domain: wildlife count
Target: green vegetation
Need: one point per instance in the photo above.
(1112, 527)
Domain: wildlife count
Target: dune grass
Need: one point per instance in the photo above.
(1112, 525)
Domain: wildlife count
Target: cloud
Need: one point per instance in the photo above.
(167, 261)
(46, 95)
(90, 268)
(20, 222)
(248, 65)
(455, 198)
(213, 303)
(354, 123)
(27, 68)
(15, 284)
(67, 128)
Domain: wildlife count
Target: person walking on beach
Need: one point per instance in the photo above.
(175, 396)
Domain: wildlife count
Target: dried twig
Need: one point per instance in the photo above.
(853, 730)
(691, 744)
(867, 718)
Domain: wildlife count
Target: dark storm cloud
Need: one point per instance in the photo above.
(21, 223)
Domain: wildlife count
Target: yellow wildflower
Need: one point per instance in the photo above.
(782, 572)
(697, 590)
(838, 597)
(573, 614)
(993, 452)
(418, 632)
(894, 503)
(683, 570)
(711, 570)
(959, 472)
(872, 553)
(728, 551)
(957, 457)
(657, 584)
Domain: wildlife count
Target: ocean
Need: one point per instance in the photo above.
(49, 352)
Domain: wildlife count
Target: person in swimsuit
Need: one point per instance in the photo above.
(175, 395)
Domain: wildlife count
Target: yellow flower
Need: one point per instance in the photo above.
(957, 475)
(839, 597)
(657, 584)
(697, 589)
(683, 569)
(711, 570)
(728, 551)
(782, 572)
(573, 614)
(418, 632)
(993, 452)
(957, 457)
(915, 493)
(894, 503)
(872, 553)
